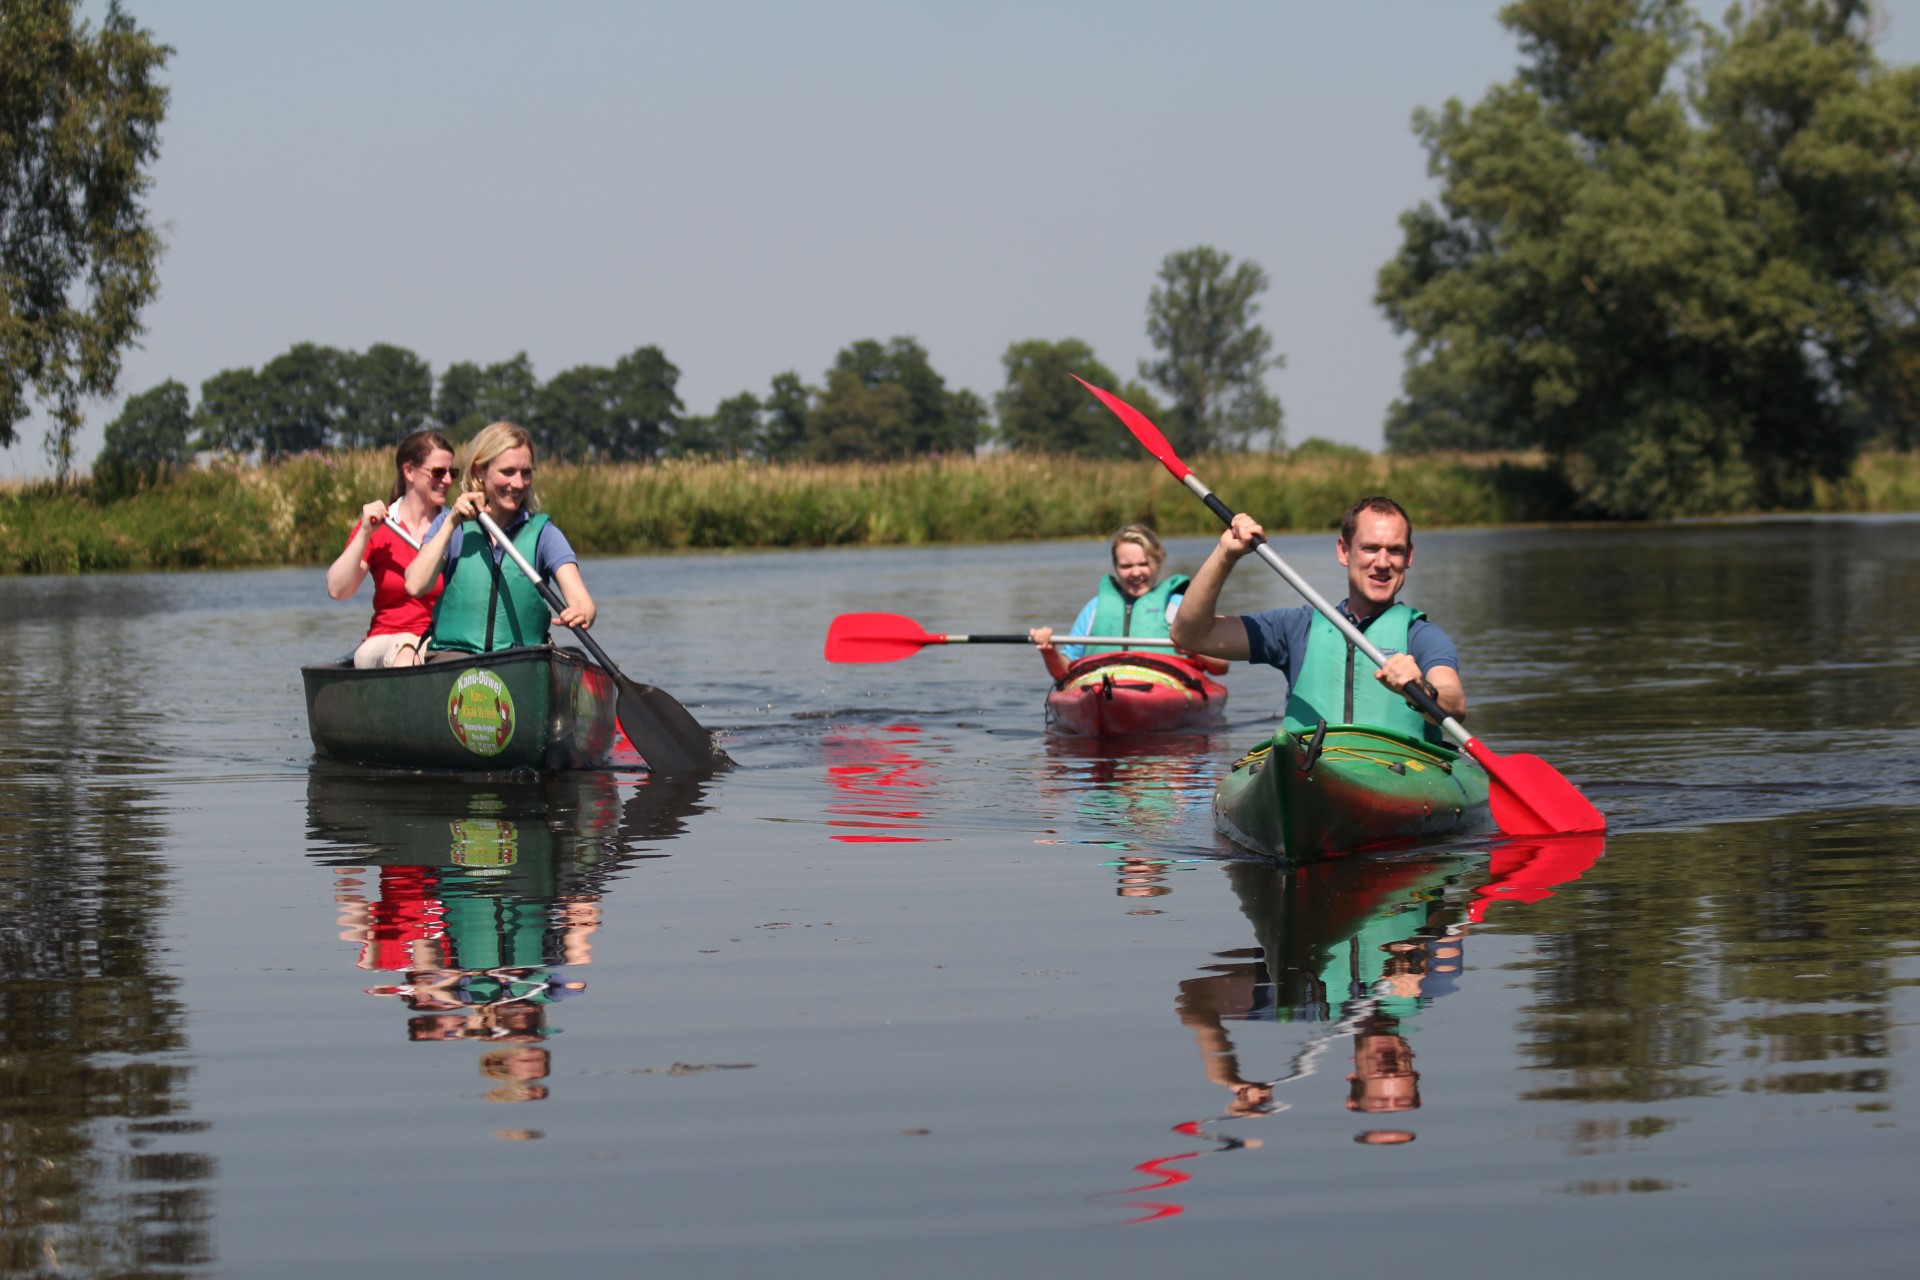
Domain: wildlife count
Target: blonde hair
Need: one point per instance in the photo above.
(1140, 536)
(493, 440)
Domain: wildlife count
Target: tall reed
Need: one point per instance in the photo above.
(298, 512)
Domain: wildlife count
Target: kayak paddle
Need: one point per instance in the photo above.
(1528, 797)
(665, 733)
(888, 637)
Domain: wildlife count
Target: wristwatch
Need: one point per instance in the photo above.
(1432, 692)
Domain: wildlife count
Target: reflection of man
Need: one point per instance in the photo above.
(1230, 991)
(1383, 1079)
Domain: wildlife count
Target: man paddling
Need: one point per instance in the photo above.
(1326, 678)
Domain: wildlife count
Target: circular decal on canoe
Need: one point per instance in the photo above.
(480, 712)
(485, 842)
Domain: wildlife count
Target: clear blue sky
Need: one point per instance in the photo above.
(752, 186)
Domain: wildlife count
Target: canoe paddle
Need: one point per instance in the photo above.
(888, 637)
(665, 733)
(1528, 797)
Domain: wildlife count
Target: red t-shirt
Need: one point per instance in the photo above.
(394, 611)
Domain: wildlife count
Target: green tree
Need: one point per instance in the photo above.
(1214, 358)
(1680, 279)
(80, 116)
(886, 401)
(151, 432)
(784, 433)
(855, 420)
(572, 412)
(303, 399)
(388, 392)
(232, 414)
(1043, 410)
(456, 401)
(733, 431)
(470, 397)
(644, 408)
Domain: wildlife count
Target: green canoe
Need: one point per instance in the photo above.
(1313, 794)
(533, 708)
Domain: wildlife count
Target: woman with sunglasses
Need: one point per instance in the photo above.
(384, 543)
(487, 606)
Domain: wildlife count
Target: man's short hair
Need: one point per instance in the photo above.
(1379, 505)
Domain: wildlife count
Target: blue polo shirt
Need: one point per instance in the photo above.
(1278, 638)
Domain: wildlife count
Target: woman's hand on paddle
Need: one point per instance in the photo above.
(580, 611)
(372, 514)
(1242, 536)
(467, 505)
(1042, 638)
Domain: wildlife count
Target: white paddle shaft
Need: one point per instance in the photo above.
(494, 531)
(401, 529)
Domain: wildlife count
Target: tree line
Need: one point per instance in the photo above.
(877, 401)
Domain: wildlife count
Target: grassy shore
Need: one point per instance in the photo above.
(298, 512)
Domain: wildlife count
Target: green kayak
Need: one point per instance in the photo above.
(1345, 787)
(532, 708)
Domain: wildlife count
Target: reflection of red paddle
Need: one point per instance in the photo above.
(1529, 870)
(888, 637)
(1528, 796)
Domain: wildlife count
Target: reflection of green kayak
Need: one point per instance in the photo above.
(532, 708)
(1308, 794)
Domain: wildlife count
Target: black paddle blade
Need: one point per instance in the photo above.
(665, 733)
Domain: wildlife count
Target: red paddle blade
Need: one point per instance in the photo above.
(875, 637)
(1143, 430)
(1530, 798)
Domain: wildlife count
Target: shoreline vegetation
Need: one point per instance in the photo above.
(298, 511)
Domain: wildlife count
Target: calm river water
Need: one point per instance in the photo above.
(918, 991)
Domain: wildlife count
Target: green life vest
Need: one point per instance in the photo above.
(487, 606)
(1337, 683)
(1115, 615)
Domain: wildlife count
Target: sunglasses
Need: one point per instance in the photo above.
(437, 474)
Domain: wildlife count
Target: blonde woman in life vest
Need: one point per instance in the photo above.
(1131, 601)
(486, 604)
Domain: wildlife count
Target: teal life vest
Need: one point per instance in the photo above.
(485, 605)
(1337, 684)
(1115, 615)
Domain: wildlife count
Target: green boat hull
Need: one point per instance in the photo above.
(1361, 788)
(534, 708)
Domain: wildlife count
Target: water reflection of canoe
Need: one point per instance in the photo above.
(1130, 692)
(1307, 795)
(533, 708)
(584, 816)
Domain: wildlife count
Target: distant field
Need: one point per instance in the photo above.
(298, 512)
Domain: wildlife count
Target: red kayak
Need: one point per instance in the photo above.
(1134, 692)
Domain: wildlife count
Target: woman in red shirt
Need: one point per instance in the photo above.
(423, 473)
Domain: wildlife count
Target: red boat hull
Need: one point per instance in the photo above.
(1134, 692)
